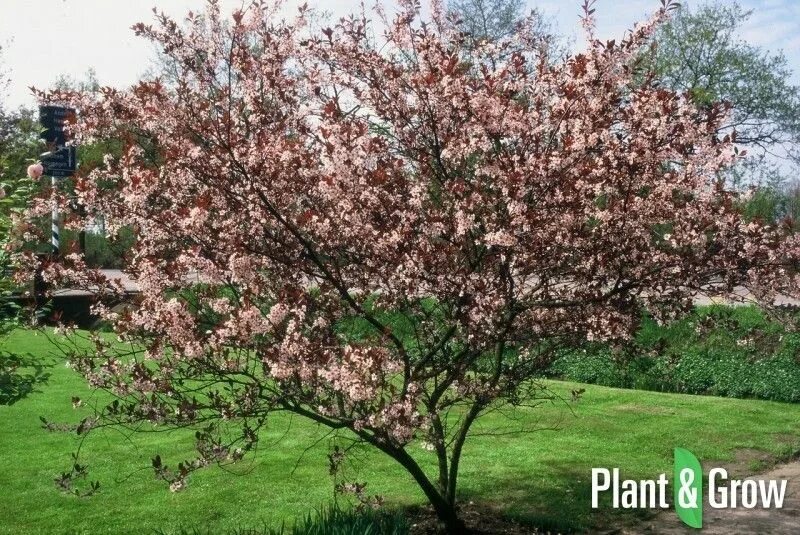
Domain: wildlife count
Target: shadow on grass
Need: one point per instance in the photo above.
(20, 375)
(559, 502)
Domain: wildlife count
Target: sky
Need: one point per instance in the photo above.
(44, 39)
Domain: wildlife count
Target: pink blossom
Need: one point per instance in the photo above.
(35, 171)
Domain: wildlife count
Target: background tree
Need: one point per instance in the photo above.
(18, 138)
(699, 51)
(489, 19)
(495, 20)
(18, 142)
(392, 242)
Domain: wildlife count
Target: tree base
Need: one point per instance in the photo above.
(477, 520)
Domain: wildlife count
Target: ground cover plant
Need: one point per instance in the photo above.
(522, 476)
(326, 521)
(717, 350)
(477, 208)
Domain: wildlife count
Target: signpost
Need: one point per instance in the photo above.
(60, 160)
(53, 119)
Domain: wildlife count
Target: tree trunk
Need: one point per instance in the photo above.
(458, 444)
(445, 511)
(441, 451)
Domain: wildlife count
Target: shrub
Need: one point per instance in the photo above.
(723, 351)
(595, 365)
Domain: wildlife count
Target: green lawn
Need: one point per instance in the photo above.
(540, 477)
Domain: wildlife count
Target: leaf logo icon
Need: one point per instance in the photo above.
(688, 488)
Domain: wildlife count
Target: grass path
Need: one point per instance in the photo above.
(540, 477)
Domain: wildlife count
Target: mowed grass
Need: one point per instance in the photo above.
(540, 477)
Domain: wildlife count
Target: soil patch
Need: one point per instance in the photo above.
(784, 521)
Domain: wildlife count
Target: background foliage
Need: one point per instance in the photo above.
(722, 351)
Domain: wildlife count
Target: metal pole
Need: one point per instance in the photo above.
(55, 239)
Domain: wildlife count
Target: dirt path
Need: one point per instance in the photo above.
(740, 521)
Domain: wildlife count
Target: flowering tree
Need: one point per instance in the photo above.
(393, 238)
